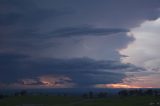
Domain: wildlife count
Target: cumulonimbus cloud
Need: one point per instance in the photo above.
(44, 81)
(144, 50)
(82, 72)
(85, 31)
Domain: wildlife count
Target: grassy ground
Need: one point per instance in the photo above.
(77, 101)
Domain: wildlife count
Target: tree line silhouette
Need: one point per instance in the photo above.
(93, 95)
(129, 92)
(139, 92)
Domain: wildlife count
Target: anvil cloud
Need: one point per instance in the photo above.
(78, 43)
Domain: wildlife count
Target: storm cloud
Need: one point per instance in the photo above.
(83, 31)
(76, 43)
(26, 12)
(81, 71)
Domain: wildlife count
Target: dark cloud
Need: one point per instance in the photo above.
(31, 34)
(4, 57)
(82, 71)
(83, 31)
(30, 41)
(48, 81)
(33, 26)
(26, 13)
(52, 37)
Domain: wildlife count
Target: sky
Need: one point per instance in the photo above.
(79, 44)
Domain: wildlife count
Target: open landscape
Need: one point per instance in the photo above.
(78, 101)
(131, 97)
(79, 52)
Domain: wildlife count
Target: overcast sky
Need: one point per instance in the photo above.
(79, 43)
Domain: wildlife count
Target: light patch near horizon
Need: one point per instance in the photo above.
(143, 80)
(117, 85)
(144, 51)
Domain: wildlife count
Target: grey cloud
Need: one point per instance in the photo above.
(83, 31)
(34, 22)
(31, 41)
(54, 81)
(82, 71)
(32, 17)
(33, 34)
(84, 64)
(47, 28)
(26, 13)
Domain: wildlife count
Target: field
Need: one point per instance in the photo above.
(78, 101)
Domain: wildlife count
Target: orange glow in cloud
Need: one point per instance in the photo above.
(47, 83)
(54, 81)
(121, 85)
(118, 85)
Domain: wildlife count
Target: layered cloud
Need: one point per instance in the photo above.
(144, 50)
(52, 43)
(85, 31)
(17, 13)
(137, 80)
(45, 72)
(32, 27)
(45, 81)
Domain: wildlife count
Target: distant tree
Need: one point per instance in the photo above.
(102, 94)
(16, 94)
(157, 93)
(123, 93)
(140, 92)
(90, 94)
(1, 96)
(149, 92)
(85, 95)
(23, 92)
(134, 92)
(65, 94)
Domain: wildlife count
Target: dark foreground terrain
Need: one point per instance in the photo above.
(79, 101)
